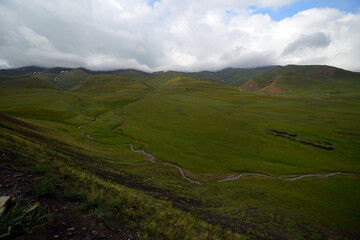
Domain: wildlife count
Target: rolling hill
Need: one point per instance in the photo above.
(109, 83)
(290, 79)
(18, 82)
(30, 70)
(313, 79)
(229, 76)
(69, 79)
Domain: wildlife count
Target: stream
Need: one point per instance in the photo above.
(227, 178)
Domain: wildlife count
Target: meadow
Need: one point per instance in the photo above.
(211, 131)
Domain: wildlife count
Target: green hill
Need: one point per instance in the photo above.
(24, 82)
(229, 76)
(180, 83)
(69, 79)
(129, 73)
(237, 76)
(312, 79)
(51, 74)
(323, 72)
(110, 83)
(30, 70)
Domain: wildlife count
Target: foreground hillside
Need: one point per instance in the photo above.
(172, 156)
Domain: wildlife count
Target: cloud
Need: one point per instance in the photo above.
(312, 41)
(169, 34)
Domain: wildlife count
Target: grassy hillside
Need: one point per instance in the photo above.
(128, 73)
(237, 76)
(229, 76)
(30, 70)
(71, 78)
(109, 83)
(24, 82)
(306, 80)
(209, 130)
(51, 74)
(323, 72)
(178, 82)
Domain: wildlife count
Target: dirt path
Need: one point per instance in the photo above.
(227, 178)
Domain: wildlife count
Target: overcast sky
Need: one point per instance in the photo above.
(186, 35)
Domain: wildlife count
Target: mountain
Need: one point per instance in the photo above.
(30, 70)
(229, 76)
(238, 76)
(69, 79)
(51, 73)
(311, 79)
(183, 83)
(323, 72)
(290, 79)
(104, 83)
(24, 82)
(129, 73)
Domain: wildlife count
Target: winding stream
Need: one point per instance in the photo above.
(317, 175)
(227, 178)
(88, 136)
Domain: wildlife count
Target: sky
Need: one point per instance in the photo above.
(186, 35)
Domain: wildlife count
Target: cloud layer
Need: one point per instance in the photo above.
(170, 34)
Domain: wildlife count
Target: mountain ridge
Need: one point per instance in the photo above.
(300, 78)
(289, 79)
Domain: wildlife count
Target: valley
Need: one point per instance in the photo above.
(193, 155)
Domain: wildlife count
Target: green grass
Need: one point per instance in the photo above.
(46, 189)
(27, 82)
(40, 169)
(74, 194)
(70, 79)
(211, 131)
(225, 134)
(21, 219)
(312, 80)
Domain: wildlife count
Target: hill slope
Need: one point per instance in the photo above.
(69, 79)
(24, 82)
(312, 79)
(30, 70)
(109, 83)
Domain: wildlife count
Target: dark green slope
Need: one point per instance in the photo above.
(24, 82)
(237, 76)
(30, 70)
(69, 79)
(229, 76)
(205, 76)
(312, 79)
(51, 74)
(323, 72)
(179, 82)
(110, 83)
(128, 73)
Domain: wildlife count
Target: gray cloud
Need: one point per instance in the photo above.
(170, 34)
(312, 41)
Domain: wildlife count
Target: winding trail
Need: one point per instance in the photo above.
(232, 177)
